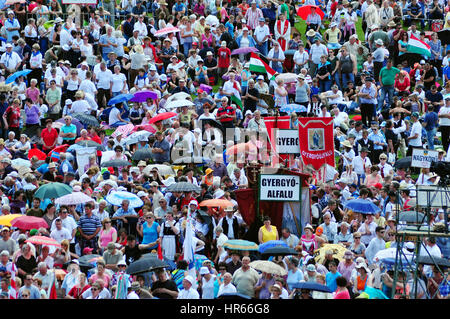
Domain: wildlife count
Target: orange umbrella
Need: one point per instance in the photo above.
(222, 203)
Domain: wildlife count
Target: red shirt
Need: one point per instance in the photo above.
(224, 57)
(13, 116)
(76, 292)
(49, 137)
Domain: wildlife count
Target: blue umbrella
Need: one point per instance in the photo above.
(293, 108)
(375, 293)
(14, 76)
(271, 243)
(116, 198)
(120, 98)
(311, 286)
(233, 296)
(362, 206)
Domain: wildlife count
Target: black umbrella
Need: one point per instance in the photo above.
(205, 216)
(142, 154)
(85, 261)
(427, 260)
(280, 251)
(144, 265)
(213, 123)
(170, 264)
(404, 162)
(116, 163)
(86, 119)
(90, 143)
(183, 187)
(444, 36)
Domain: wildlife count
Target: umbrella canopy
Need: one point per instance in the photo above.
(38, 153)
(16, 75)
(29, 222)
(90, 143)
(268, 267)
(116, 163)
(54, 153)
(412, 217)
(178, 103)
(183, 187)
(144, 265)
(166, 30)
(280, 251)
(287, 77)
(5, 220)
(162, 117)
(240, 244)
(86, 119)
(239, 148)
(338, 252)
(142, 96)
(43, 240)
(170, 264)
(444, 36)
(404, 162)
(374, 293)
(304, 11)
(244, 50)
(362, 206)
(311, 286)
(120, 98)
(270, 244)
(177, 96)
(116, 198)
(142, 154)
(88, 261)
(74, 198)
(162, 169)
(53, 190)
(222, 203)
(20, 162)
(289, 108)
(213, 123)
(9, 2)
(147, 127)
(399, 110)
(136, 137)
(427, 260)
(124, 129)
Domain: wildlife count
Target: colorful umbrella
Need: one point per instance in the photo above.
(222, 203)
(142, 96)
(244, 50)
(165, 31)
(293, 108)
(5, 220)
(268, 267)
(124, 129)
(304, 11)
(43, 240)
(162, 117)
(16, 75)
(74, 198)
(146, 127)
(38, 153)
(362, 206)
(240, 244)
(53, 190)
(120, 98)
(116, 198)
(270, 244)
(338, 252)
(29, 222)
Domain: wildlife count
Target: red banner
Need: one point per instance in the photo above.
(316, 141)
(281, 122)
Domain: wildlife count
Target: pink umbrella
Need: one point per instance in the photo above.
(74, 199)
(147, 127)
(167, 30)
(8, 2)
(124, 129)
(42, 240)
(161, 117)
(29, 222)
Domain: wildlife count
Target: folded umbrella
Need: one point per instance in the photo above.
(53, 190)
(43, 240)
(162, 117)
(240, 244)
(144, 265)
(363, 206)
(116, 198)
(14, 76)
(29, 222)
(270, 244)
(142, 96)
(116, 163)
(244, 50)
(120, 98)
(268, 267)
(74, 198)
(142, 154)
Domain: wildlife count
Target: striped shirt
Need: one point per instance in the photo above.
(89, 224)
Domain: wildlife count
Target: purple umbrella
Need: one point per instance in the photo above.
(244, 50)
(75, 122)
(142, 96)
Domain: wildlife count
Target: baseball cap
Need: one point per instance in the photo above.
(223, 43)
(415, 114)
(68, 101)
(87, 250)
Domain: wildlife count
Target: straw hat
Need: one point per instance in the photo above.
(346, 143)
(275, 287)
(311, 33)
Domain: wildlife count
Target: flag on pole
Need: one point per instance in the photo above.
(418, 46)
(236, 97)
(160, 254)
(258, 65)
(52, 289)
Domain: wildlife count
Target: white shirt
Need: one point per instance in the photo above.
(113, 116)
(10, 61)
(301, 57)
(117, 80)
(208, 287)
(359, 164)
(260, 32)
(334, 100)
(226, 289)
(142, 29)
(104, 79)
(132, 295)
(416, 129)
(65, 38)
(87, 86)
(188, 294)
(80, 106)
(60, 235)
(444, 110)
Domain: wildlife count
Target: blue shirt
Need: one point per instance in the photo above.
(293, 278)
(11, 24)
(165, 156)
(104, 40)
(431, 119)
(330, 279)
(377, 138)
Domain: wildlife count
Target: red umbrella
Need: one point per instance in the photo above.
(162, 116)
(304, 11)
(29, 222)
(38, 153)
(54, 153)
(148, 127)
(43, 240)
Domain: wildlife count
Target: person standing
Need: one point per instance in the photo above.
(282, 32)
(444, 123)
(387, 80)
(375, 245)
(431, 121)
(262, 35)
(368, 99)
(245, 278)
(415, 137)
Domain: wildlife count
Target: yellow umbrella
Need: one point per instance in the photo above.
(5, 220)
(338, 252)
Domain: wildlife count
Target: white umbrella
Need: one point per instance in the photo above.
(178, 96)
(74, 199)
(287, 77)
(116, 198)
(162, 169)
(178, 103)
(137, 137)
(20, 162)
(107, 155)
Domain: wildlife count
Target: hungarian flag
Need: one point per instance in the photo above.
(316, 141)
(236, 97)
(418, 46)
(52, 289)
(258, 65)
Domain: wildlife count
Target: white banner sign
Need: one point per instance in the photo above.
(83, 155)
(287, 142)
(422, 158)
(279, 188)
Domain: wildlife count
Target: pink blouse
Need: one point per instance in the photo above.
(106, 238)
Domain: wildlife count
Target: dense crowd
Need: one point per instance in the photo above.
(143, 82)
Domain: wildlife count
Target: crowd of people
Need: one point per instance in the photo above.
(352, 61)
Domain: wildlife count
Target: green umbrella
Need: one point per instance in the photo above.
(53, 190)
(240, 244)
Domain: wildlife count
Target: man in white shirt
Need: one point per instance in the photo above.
(261, 34)
(140, 25)
(87, 86)
(188, 292)
(444, 123)
(67, 222)
(375, 245)
(301, 58)
(415, 137)
(360, 163)
(60, 233)
(317, 50)
(367, 230)
(226, 287)
(10, 60)
(334, 97)
(103, 79)
(80, 105)
(238, 179)
(132, 290)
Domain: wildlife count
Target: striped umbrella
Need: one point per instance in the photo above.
(271, 243)
(124, 129)
(43, 240)
(240, 244)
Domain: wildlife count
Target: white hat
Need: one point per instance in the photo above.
(190, 279)
(204, 271)
(333, 24)
(209, 53)
(68, 101)
(193, 202)
(354, 36)
(121, 263)
(379, 42)
(141, 194)
(260, 77)
(219, 193)
(409, 245)
(223, 43)
(152, 67)
(169, 181)
(9, 45)
(13, 174)
(163, 77)
(58, 20)
(248, 112)
(244, 29)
